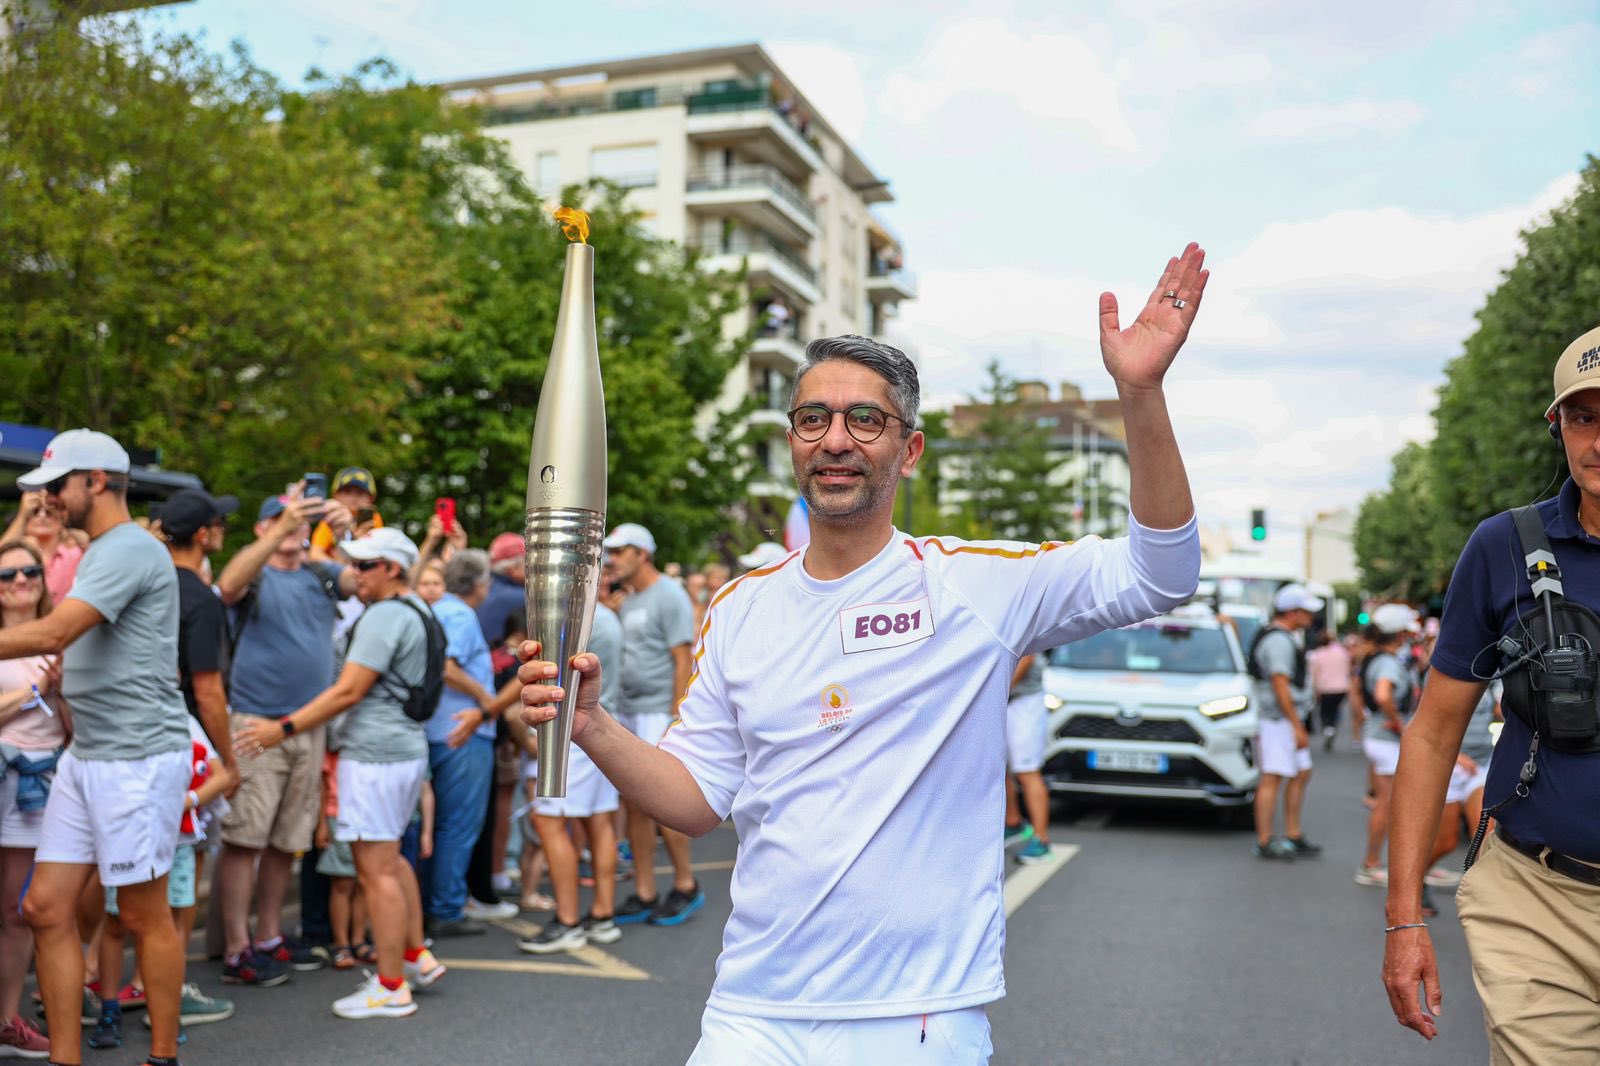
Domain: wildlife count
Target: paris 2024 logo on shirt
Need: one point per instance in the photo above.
(836, 709)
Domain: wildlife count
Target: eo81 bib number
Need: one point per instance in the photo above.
(872, 626)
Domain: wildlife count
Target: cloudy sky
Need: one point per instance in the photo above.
(1358, 172)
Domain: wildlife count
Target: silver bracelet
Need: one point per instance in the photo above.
(1407, 925)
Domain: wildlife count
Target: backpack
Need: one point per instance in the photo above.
(418, 701)
(1369, 691)
(1299, 680)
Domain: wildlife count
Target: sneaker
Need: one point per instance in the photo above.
(1019, 834)
(1375, 876)
(554, 937)
(1440, 877)
(1037, 853)
(458, 927)
(1303, 848)
(297, 955)
(255, 968)
(1327, 738)
(197, 1008)
(19, 1040)
(601, 930)
(131, 997)
(633, 910)
(425, 971)
(1276, 848)
(678, 907)
(585, 871)
(490, 912)
(108, 1029)
(503, 884)
(372, 1000)
(624, 857)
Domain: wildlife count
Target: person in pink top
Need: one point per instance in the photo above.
(60, 548)
(34, 725)
(1329, 661)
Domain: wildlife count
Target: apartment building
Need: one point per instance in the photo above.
(723, 153)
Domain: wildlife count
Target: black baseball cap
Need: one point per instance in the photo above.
(189, 511)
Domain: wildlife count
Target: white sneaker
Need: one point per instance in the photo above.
(484, 912)
(425, 971)
(503, 883)
(555, 937)
(601, 930)
(1439, 877)
(372, 1000)
(1376, 876)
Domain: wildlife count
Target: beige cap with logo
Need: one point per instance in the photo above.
(1577, 369)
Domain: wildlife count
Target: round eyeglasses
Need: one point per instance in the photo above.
(864, 422)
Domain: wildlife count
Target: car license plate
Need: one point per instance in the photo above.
(1140, 762)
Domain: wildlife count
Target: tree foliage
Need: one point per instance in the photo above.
(261, 282)
(1396, 535)
(1006, 468)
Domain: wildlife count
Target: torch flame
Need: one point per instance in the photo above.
(574, 223)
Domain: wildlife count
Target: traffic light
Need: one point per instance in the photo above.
(1258, 524)
(1363, 618)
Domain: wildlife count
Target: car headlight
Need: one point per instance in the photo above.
(1052, 702)
(1225, 707)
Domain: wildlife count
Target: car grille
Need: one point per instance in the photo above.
(1101, 727)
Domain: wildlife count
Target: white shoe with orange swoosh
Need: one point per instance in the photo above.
(372, 1000)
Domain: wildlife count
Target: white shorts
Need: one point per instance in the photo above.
(377, 799)
(119, 814)
(1027, 731)
(20, 828)
(589, 792)
(1384, 755)
(1463, 784)
(1275, 750)
(649, 727)
(953, 1038)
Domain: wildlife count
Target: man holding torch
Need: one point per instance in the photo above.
(853, 694)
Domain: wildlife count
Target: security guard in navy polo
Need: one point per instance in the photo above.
(1519, 608)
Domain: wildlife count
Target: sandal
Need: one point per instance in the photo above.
(537, 901)
(343, 957)
(366, 953)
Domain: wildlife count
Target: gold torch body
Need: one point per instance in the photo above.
(566, 515)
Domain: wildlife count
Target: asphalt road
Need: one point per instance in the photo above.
(1158, 940)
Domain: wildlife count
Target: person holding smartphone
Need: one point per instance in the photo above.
(356, 490)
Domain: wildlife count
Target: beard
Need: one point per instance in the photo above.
(871, 490)
(75, 518)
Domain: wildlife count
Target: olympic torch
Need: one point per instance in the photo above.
(567, 498)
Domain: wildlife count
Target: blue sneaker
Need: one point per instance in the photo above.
(108, 1030)
(678, 906)
(624, 856)
(634, 910)
(1037, 853)
(1018, 834)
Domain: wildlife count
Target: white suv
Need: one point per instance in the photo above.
(1159, 710)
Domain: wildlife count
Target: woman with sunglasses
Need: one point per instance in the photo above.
(34, 726)
(60, 548)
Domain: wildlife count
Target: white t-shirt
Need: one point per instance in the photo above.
(856, 731)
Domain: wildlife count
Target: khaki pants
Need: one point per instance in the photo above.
(280, 794)
(1534, 936)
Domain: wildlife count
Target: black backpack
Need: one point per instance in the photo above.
(1369, 693)
(1254, 667)
(418, 701)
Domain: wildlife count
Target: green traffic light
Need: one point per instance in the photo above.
(1258, 533)
(1363, 618)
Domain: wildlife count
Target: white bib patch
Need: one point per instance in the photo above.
(873, 626)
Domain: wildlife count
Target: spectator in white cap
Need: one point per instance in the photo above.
(658, 637)
(383, 760)
(1390, 693)
(763, 555)
(1277, 662)
(118, 794)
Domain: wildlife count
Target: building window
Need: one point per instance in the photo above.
(629, 165)
(547, 174)
(632, 99)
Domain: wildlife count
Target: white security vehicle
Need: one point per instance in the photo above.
(1156, 711)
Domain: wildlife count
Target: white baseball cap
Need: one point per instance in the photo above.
(1396, 618)
(385, 543)
(76, 449)
(764, 554)
(1296, 598)
(631, 535)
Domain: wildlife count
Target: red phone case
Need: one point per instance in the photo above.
(445, 508)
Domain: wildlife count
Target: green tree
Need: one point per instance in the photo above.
(1397, 537)
(1005, 468)
(173, 271)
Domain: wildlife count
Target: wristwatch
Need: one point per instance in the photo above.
(288, 726)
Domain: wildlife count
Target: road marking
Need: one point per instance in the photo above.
(590, 960)
(1028, 879)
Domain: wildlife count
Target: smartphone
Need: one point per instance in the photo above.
(316, 486)
(364, 515)
(445, 508)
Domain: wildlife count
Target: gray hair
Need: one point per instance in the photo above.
(466, 570)
(889, 363)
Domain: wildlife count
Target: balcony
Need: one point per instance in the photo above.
(758, 195)
(747, 115)
(769, 263)
(779, 352)
(887, 284)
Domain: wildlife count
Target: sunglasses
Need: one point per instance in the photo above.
(368, 564)
(8, 574)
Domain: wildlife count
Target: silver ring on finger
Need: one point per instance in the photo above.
(1170, 294)
(1179, 304)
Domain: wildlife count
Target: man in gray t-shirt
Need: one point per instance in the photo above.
(658, 638)
(1282, 696)
(116, 799)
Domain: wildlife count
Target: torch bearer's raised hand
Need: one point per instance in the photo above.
(540, 694)
(1138, 357)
